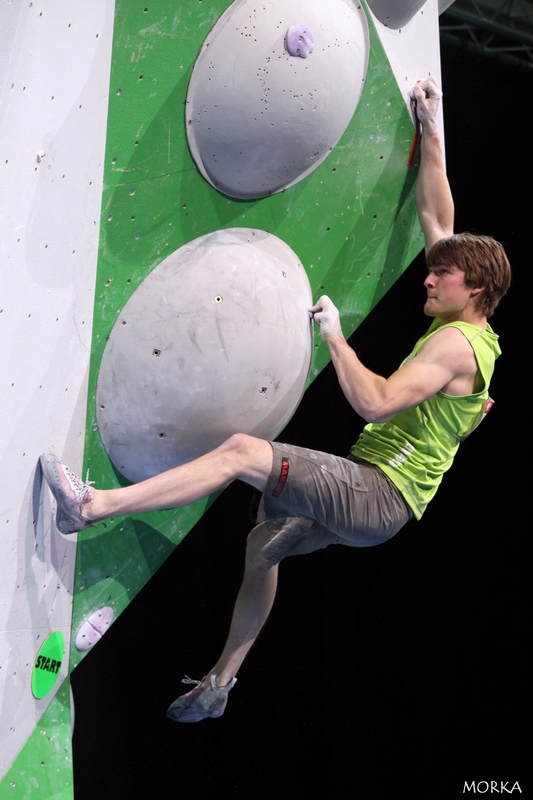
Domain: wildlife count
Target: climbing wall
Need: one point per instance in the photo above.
(54, 77)
(88, 98)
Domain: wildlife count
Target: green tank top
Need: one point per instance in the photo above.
(416, 447)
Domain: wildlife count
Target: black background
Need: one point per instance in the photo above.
(388, 672)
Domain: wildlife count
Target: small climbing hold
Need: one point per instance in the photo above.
(299, 41)
(94, 628)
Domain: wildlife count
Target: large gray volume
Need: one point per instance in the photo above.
(216, 340)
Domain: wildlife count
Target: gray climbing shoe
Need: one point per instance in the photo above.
(70, 493)
(207, 699)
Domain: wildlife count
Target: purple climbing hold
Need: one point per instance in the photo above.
(300, 41)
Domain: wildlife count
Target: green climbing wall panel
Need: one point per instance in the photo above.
(43, 769)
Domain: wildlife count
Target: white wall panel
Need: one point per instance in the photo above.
(54, 78)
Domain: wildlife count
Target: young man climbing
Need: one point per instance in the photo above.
(417, 418)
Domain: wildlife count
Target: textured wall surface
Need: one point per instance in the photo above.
(54, 83)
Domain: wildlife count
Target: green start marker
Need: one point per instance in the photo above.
(47, 665)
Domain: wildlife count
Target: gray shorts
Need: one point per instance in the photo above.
(314, 499)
